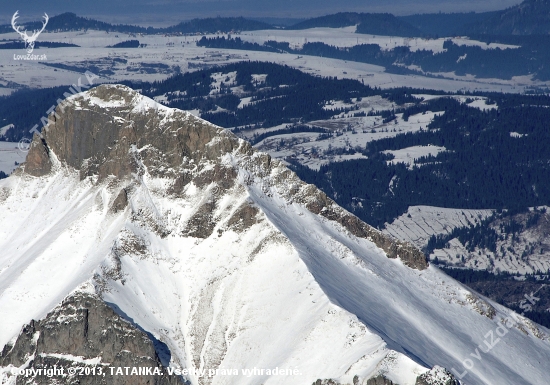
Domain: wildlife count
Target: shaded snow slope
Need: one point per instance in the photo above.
(233, 262)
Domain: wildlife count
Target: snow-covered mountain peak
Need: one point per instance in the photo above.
(231, 261)
(112, 131)
(97, 131)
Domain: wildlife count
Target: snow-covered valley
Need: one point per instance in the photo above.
(180, 53)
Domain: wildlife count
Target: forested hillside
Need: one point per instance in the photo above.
(532, 17)
(495, 159)
(371, 23)
(446, 24)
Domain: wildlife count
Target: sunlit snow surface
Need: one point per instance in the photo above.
(295, 290)
(419, 223)
(181, 53)
(410, 155)
(346, 37)
(10, 156)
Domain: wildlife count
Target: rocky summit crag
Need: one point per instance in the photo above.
(101, 136)
(84, 332)
(217, 259)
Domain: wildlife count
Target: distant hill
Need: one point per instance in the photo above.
(388, 25)
(71, 22)
(532, 17)
(338, 20)
(446, 24)
(279, 21)
(126, 44)
(370, 23)
(215, 24)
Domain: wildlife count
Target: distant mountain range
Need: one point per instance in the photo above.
(69, 22)
(532, 17)
(167, 12)
(369, 23)
(446, 24)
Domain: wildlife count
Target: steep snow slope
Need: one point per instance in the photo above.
(223, 298)
(228, 258)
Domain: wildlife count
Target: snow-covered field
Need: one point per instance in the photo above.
(350, 133)
(5, 129)
(10, 156)
(355, 132)
(409, 155)
(480, 102)
(181, 53)
(419, 223)
(346, 37)
(526, 252)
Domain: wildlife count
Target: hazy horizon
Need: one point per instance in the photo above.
(165, 12)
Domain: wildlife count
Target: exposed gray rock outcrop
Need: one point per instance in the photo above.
(379, 380)
(84, 332)
(436, 376)
(95, 134)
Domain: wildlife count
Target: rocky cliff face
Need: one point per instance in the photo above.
(98, 135)
(113, 132)
(81, 336)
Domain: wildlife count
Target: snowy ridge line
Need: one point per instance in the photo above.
(248, 258)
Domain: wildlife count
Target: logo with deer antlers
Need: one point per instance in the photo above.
(29, 40)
